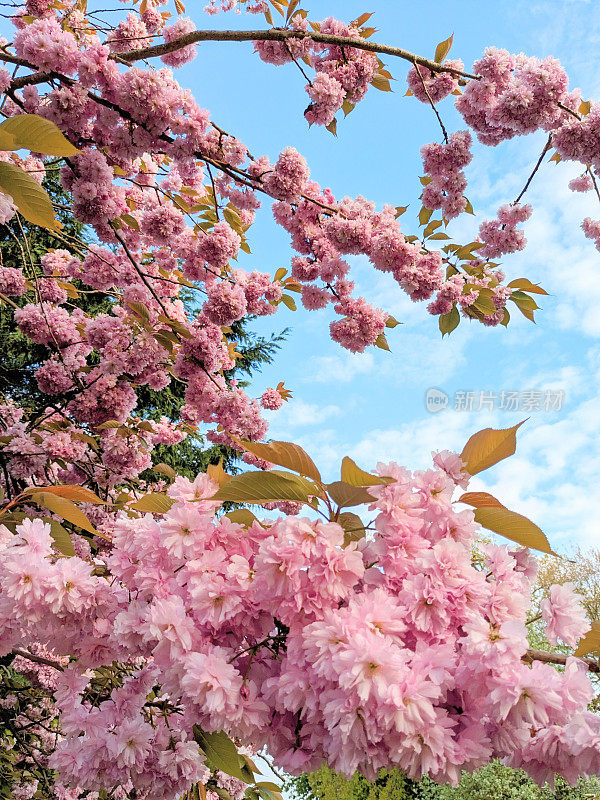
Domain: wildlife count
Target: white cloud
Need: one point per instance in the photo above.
(297, 414)
(341, 368)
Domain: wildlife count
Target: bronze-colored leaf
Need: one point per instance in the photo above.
(590, 642)
(480, 500)
(443, 48)
(489, 446)
(77, 493)
(154, 502)
(355, 476)
(285, 454)
(346, 495)
(63, 508)
(512, 526)
(266, 487)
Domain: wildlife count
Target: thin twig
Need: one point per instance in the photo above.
(538, 164)
(431, 103)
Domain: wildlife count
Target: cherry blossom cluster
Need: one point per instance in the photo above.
(444, 164)
(30, 695)
(516, 95)
(157, 162)
(431, 87)
(399, 650)
(465, 293)
(342, 74)
(501, 235)
(58, 449)
(513, 95)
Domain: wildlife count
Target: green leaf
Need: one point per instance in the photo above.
(266, 487)
(139, 310)
(443, 48)
(7, 140)
(391, 322)
(346, 495)
(62, 538)
(485, 304)
(131, 221)
(489, 446)
(221, 753)
(353, 526)
(154, 502)
(525, 304)
(29, 197)
(355, 476)
(268, 794)
(35, 133)
(288, 301)
(110, 423)
(285, 454)
(448, 322)
(243, 516)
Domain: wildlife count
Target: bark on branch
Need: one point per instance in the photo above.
(282, 35)
(558, 658)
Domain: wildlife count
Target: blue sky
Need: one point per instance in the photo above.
(372, 406)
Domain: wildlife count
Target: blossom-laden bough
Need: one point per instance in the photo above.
(176, 628)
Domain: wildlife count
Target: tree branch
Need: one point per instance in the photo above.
(39, 659)
(558, 658)
(538, 164)
(282, 35)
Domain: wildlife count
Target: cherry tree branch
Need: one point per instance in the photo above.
(282, 35)
(558, 658)
(39, 659)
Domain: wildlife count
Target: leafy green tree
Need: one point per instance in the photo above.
(495, 781)
(492, 782)
(23, 244)
(324, 784)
